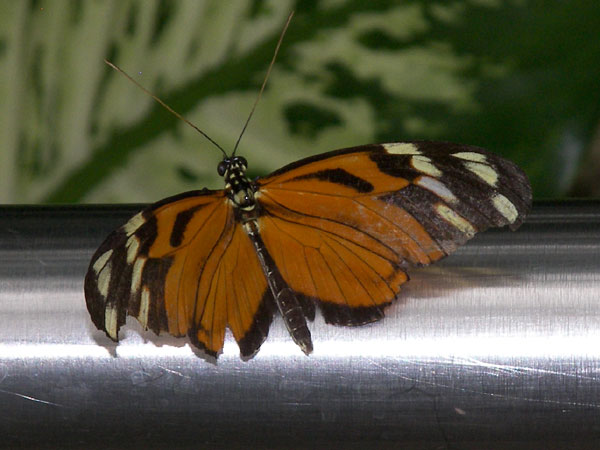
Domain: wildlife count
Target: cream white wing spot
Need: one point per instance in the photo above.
(424, 165)
(401, 148)
(110, 321)
(104, 279)
(134, 223)
(505, 207)
(458, 222)
(436, 187)
(471, 156)
(144, 307)
(136, 275)
(483, 171)
(101, 261)
(133, 245)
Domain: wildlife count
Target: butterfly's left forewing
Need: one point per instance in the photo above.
(342, 226)
(183, 266)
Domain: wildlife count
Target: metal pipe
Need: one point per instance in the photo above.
(496, 346)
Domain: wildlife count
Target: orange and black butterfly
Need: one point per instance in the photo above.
(336, 230)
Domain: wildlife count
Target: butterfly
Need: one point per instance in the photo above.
(334, 231)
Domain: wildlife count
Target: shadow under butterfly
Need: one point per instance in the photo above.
(335, 230)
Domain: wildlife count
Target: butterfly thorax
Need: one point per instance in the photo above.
(238, 187)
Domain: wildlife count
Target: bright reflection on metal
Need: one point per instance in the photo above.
(515, 347)
(508, 347)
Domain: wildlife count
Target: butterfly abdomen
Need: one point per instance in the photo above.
(287, 302)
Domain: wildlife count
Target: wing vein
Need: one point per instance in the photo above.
(342, 243)
(281, 217)
(333, 277)
(185, 259)
(343, 263)
(204, 266)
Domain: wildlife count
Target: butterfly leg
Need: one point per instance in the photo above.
(287, 302)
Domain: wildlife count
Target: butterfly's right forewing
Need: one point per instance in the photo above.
(343, 226)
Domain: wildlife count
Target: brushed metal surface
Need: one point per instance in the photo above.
(497, 346)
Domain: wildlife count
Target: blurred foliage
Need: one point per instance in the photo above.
(520, 78)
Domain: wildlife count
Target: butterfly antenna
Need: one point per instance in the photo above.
(164, 105)
(262, 88)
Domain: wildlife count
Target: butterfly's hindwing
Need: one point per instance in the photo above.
(289, 306)
(250, 341)
(333, 266)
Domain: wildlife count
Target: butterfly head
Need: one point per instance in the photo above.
(238, 187)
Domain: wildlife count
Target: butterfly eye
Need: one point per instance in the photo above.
(222, 167)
